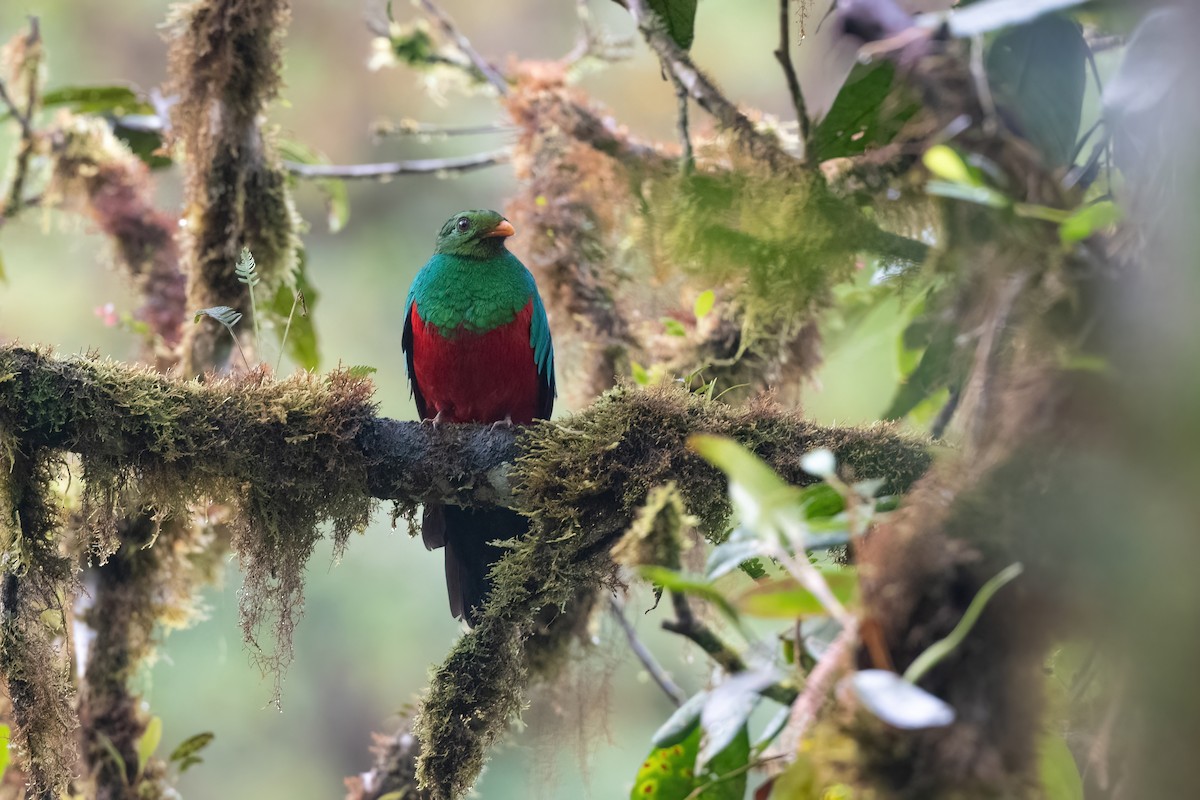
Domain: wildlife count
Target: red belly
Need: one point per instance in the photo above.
(477, 377)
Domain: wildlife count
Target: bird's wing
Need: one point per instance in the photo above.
(406, 344)
(543, 356)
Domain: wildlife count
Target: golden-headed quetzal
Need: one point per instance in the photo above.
(478, 348)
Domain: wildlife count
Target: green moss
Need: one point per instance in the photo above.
(37, 580)
(282, 453)
(583, 479)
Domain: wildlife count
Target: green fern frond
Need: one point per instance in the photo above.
(245, 269)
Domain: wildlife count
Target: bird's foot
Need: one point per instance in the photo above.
(435, 421)
(502, 423)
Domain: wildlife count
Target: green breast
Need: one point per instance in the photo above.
(476, 295)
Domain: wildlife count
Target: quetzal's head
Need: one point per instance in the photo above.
(474, 234)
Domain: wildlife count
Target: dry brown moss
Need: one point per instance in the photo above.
(583, 479)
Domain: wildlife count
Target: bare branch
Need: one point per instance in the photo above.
(833, 663)
(464, 44)
(685, 624)
(660, 676)
(758, 145)
(784, 56)
(410, 127)
(389, 169)
(15, 112)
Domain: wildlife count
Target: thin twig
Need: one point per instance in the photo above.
(757, 144)
(29, 67)
(688, 160)
(464, 44)
(808, 705)
(15, 112)
(660, 676)
(685, 624)
(784, 56)
(388, 169)
(410, 127)
(733, 773)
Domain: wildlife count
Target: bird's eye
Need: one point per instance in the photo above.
(464, 224)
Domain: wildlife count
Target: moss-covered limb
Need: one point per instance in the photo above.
(285, 454)
(225, 67)
(36, 583)
(582, 480)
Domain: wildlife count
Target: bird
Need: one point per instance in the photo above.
(478, 349)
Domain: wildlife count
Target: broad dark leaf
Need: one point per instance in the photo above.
(726, 710)
(680, 16)
(933, 372)
(681, 723)
(862, 116)
(1038, 73)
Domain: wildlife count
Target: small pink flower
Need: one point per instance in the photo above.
(107, 314)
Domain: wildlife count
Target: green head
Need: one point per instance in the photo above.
(474, 234)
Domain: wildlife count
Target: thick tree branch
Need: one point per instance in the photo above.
(390, 169)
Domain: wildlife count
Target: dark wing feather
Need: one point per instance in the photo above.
(406, 344)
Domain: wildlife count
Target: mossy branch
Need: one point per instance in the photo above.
(292, 454)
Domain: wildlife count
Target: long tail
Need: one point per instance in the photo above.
(465, 533)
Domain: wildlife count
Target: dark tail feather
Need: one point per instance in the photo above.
(466, 533)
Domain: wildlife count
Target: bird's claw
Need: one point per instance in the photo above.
(435, 421)
(502, 423)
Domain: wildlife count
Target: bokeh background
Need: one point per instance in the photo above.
(376, 622)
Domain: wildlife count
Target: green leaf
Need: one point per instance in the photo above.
(98, 100)
(185, 755)
(861, 115)
(1057, 769)
(680, 17)
(932, 373)
(945, 163)
(759, 495)
(821, 501)
(980, 195)
(1079, 226)
(681, 723)
(724, 777)
(668, 772)
(361, 371)
(222, 314)
(245, 269)
(5, 752)
(640, 376)
(944, 647)
(704, 304)
(149, 742)
(731, 554)
(674, 327)
(1038, 72)
(727, 709)
(678, 582)
(787, 599)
